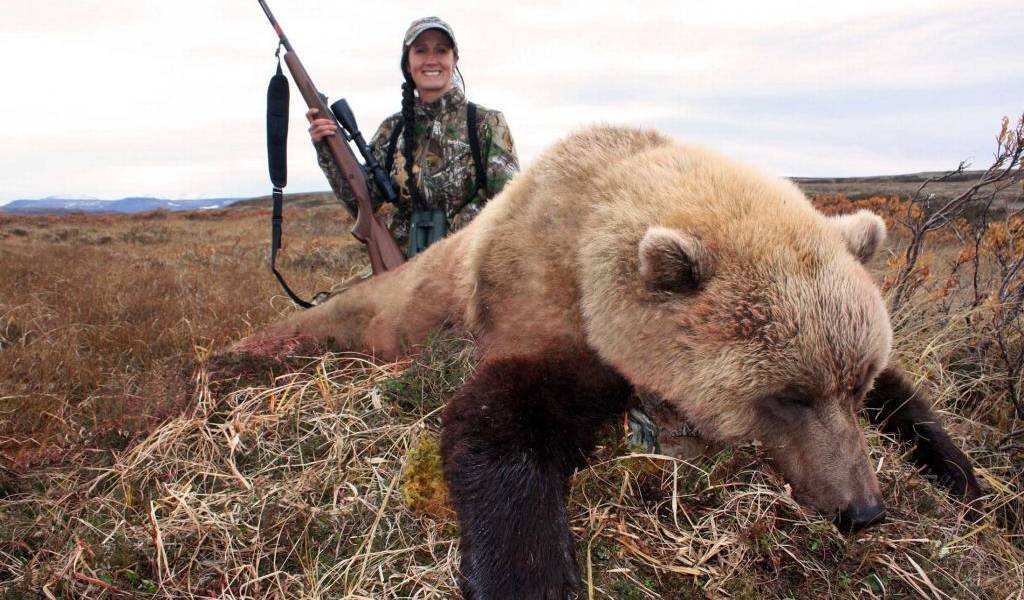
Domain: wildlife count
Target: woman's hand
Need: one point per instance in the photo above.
(320, 128)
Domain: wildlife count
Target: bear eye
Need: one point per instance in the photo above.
(785, 405)
(794, 400)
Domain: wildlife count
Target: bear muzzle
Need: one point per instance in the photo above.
(855, 518)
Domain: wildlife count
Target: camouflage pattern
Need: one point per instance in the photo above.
(420, 25)
(443, 165)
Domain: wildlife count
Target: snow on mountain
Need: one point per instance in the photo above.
(59, 204)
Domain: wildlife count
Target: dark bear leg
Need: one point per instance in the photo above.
(897, 408)
(512, 436)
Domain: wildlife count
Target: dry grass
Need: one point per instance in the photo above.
(900, 185)
(302, 485)
(299, 488)
(96, 311)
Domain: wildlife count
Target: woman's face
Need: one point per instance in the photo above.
(431, 62)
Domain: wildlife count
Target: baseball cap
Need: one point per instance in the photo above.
(420, 25)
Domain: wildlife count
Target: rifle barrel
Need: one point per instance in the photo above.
(277, 28)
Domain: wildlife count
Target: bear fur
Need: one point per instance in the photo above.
(621, 262)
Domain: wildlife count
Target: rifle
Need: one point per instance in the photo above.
(384, 252)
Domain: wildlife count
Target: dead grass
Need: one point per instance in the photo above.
(322, 482)
(300, 489)
(96, 311)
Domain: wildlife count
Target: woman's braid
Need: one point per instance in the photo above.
(409, 139)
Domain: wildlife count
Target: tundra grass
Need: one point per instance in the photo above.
(131, 471)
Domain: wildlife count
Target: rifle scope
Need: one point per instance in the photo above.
(343, 112)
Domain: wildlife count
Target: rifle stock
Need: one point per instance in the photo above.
(382, 248)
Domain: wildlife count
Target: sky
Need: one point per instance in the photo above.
(114, 98)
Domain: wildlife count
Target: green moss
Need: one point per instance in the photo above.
(822, 540)
(423, 487)
(442, 364)
(623, 589)
(926, 503)
(743, 587)
(877, 584)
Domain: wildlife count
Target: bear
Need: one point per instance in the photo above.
(622, 262)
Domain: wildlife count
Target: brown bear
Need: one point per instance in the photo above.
(620, 262)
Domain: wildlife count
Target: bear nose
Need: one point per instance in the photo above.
(855, 518)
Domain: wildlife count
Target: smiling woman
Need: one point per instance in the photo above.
(431, 61)
(447, 156)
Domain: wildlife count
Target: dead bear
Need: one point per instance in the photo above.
(623, 261)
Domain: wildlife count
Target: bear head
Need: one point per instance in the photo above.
(726, 293)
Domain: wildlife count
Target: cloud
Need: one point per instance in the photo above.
(123, 98)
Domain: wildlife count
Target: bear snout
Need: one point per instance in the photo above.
(854, 518)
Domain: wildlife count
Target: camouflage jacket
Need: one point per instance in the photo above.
(443, 165)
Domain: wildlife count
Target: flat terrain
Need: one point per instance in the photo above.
(128, 470)
(902, 185)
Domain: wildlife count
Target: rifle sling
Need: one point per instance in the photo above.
(277, 160)
(474, 147)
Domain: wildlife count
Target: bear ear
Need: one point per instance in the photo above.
(863, 232)
(672, 261)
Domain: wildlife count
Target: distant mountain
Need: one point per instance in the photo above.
(904, 178)
(55, 204)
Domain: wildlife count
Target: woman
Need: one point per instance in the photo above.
(428, 143)
(428, 147)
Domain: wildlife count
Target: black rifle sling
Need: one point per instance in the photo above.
(474, 148)
(389, 160)
(277, 160)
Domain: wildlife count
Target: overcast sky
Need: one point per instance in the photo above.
(113, 98)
